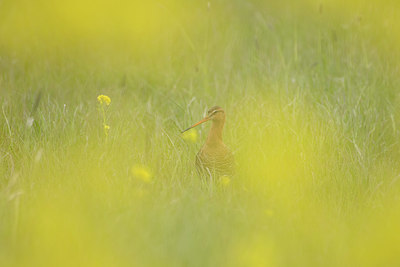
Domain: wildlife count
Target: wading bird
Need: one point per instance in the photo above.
(214, 158)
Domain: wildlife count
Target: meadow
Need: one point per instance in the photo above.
(311, 93)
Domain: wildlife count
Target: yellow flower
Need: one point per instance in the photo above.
(190, 136)
(104, 99)
(142, 173)
(106, 129)
(269, 212)
(224, 180)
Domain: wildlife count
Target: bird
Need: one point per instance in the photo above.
(214, 159)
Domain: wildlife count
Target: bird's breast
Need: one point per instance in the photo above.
(216, 159)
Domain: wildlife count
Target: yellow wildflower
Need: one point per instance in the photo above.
(190, 136)
(104, 99)
(142, 173)
(269, 212)
(224, 180)
(106, 129)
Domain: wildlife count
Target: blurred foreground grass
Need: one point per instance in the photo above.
(313, 111)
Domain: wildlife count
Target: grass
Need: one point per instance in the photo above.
(310, 90)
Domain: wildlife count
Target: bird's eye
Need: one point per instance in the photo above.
(213, 112)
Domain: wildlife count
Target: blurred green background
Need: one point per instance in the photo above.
(311, 93)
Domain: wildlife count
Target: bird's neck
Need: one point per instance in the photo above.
(215, 134)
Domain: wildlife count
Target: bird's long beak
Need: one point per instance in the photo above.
(198, 123)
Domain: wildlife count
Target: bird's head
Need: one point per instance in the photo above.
(216, 114)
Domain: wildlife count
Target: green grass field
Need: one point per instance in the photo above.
(311, 90)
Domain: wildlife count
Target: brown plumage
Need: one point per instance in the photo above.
(214, 158)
